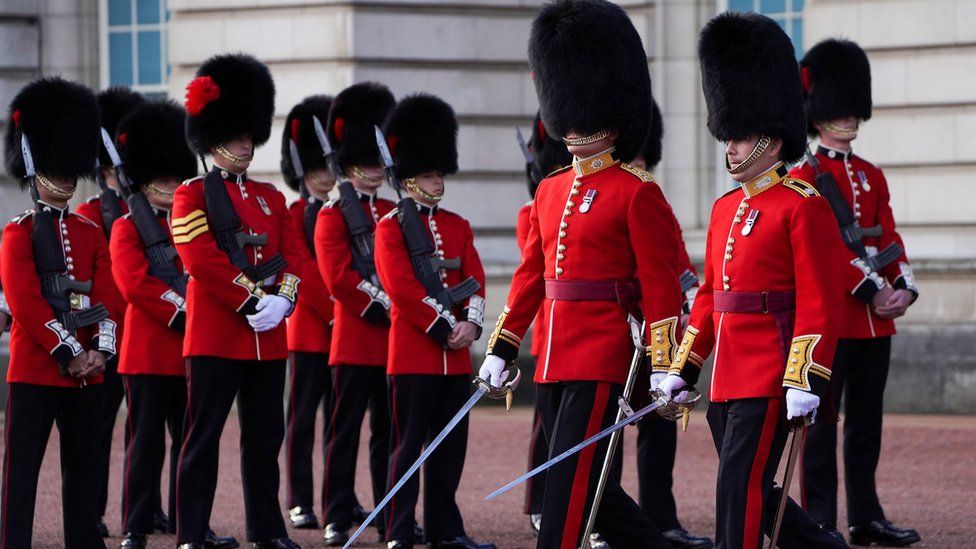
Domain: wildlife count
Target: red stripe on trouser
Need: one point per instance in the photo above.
(799, 465)
(581, 480)
(391, 480)
(329, 444)
(291, 424)
(188, 430)
(536, 427)
(128, 453)
(6, 469)
(752, 529)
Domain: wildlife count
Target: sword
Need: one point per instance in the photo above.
(296, 166)
(660, 400)
(483, 388)
(124, 184)
(327, 151)
(796, 438)
(30, 173)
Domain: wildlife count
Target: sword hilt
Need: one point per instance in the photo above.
(507, 390)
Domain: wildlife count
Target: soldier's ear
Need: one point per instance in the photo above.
(775, 149)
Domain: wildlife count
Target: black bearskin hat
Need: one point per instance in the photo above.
(115, 103)
(751, 81)
(653, 148)
(231, 96)
(421, 132)
(60, 119)
(590, 72)
(836, 82)
(550, 154)
(152, 145)
(300, 128)
(353, 114)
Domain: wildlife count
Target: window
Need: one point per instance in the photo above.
(788, 13)
(133, 46)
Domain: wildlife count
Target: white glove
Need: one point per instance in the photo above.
(657, 378)
(673, 383)
(801, 404)
(493, 371)
(271, 311)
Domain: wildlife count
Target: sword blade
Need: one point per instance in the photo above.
(593, 439)
(296, 161)
(321, 136)
(796, 436)
(110, 148)
(526, 152)
(28, 157)
(420, 461)
(385, 155)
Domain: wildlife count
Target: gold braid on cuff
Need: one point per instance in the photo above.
(757, 151)
(411, 184)
(219, 149)
(586, 140)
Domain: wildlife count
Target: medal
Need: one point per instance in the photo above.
(587, 201)
(863, 177)
(264, 206)
(750, 221)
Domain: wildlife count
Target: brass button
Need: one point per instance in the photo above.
(561, 248)
(562, 234)
(658, 332)
(728, 257)
(794, 361)
(792, 370)
(559, 270)
(660, 339)
(660, 359)
(570, 204)
(560, 257)
(731, 240)
(728, 248)
(577, 184)
(738, 219)
(796, 349)
(563, 225)
(726, 279)
(575, 192)
(726, 287)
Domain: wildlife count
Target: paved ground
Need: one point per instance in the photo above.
(927, 480)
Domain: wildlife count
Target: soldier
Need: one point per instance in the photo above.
(598, 208)
(305, 171)
(236, 241)
(880, 287)
(153, 148)
(657, 437)
(429, 363)
(104, 209)
(343, 246)
(549, 155)
(765, 306)
(57, 278)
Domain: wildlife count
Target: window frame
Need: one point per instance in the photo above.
(104, 61)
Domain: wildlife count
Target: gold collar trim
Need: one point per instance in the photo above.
(765, 181)
(595, 163)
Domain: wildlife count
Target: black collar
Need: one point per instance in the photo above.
(62, 212)
(230, 176)
(429, 211)
(366, 197)
(835, 154)
(160, 212)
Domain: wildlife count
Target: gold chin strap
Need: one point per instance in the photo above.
(52, 188)
(586, 140)
(411, 184)
(151, 188)
(838, 130)
(362, 175)
(219, 149)
(757, 151)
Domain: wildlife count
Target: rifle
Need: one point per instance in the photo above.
(70, 308)
(159, 249)
(359, 225)
(531, 166)
(850, 230)
(420, 247)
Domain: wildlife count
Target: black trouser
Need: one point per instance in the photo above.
(213, 383)
(31, 411)
(860, 372)
(657, 443)
(354, 390)
(422, 405)
(155, 402)
(750, 435)
(309, 384)
(535, 487)
(582, 409)
(113, 393)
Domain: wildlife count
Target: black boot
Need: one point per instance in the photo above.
(460, 542)
(535, 522)
(160, 522)
(277, 543)
(190, 545)
(831, 531)
(213, 541)
(133, 541)
(336, 534)
(399, 544)
(681, 539)
(102, 528)
(882, 532)
(303, 517)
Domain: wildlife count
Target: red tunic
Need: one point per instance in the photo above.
(310, 326)
(865, 189)
(156, 315)
(355, 341)
(419, 325)
(790, 246)
(625, 232)
(219, 294)
(521, 236)
(91, 210)
(38, 342)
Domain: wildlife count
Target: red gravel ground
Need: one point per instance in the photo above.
(927, 480)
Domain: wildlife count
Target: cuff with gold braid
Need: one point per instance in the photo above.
(801, 371)
(661, 344)
(687, 363)
(503, 343)
(288, 289)
(255, 293)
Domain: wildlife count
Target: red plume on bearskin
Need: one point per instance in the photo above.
(199, 93)
(61, 121)
(354, 113)
(424, 129)
(300, 128)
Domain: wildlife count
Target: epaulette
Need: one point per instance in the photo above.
(558, 171)
(93, 198)
(85, 219)
(529, 203)
(193, 180)
(800, 186)
(391, 214)
(641, 174)
(20, 218)
(331, 203)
